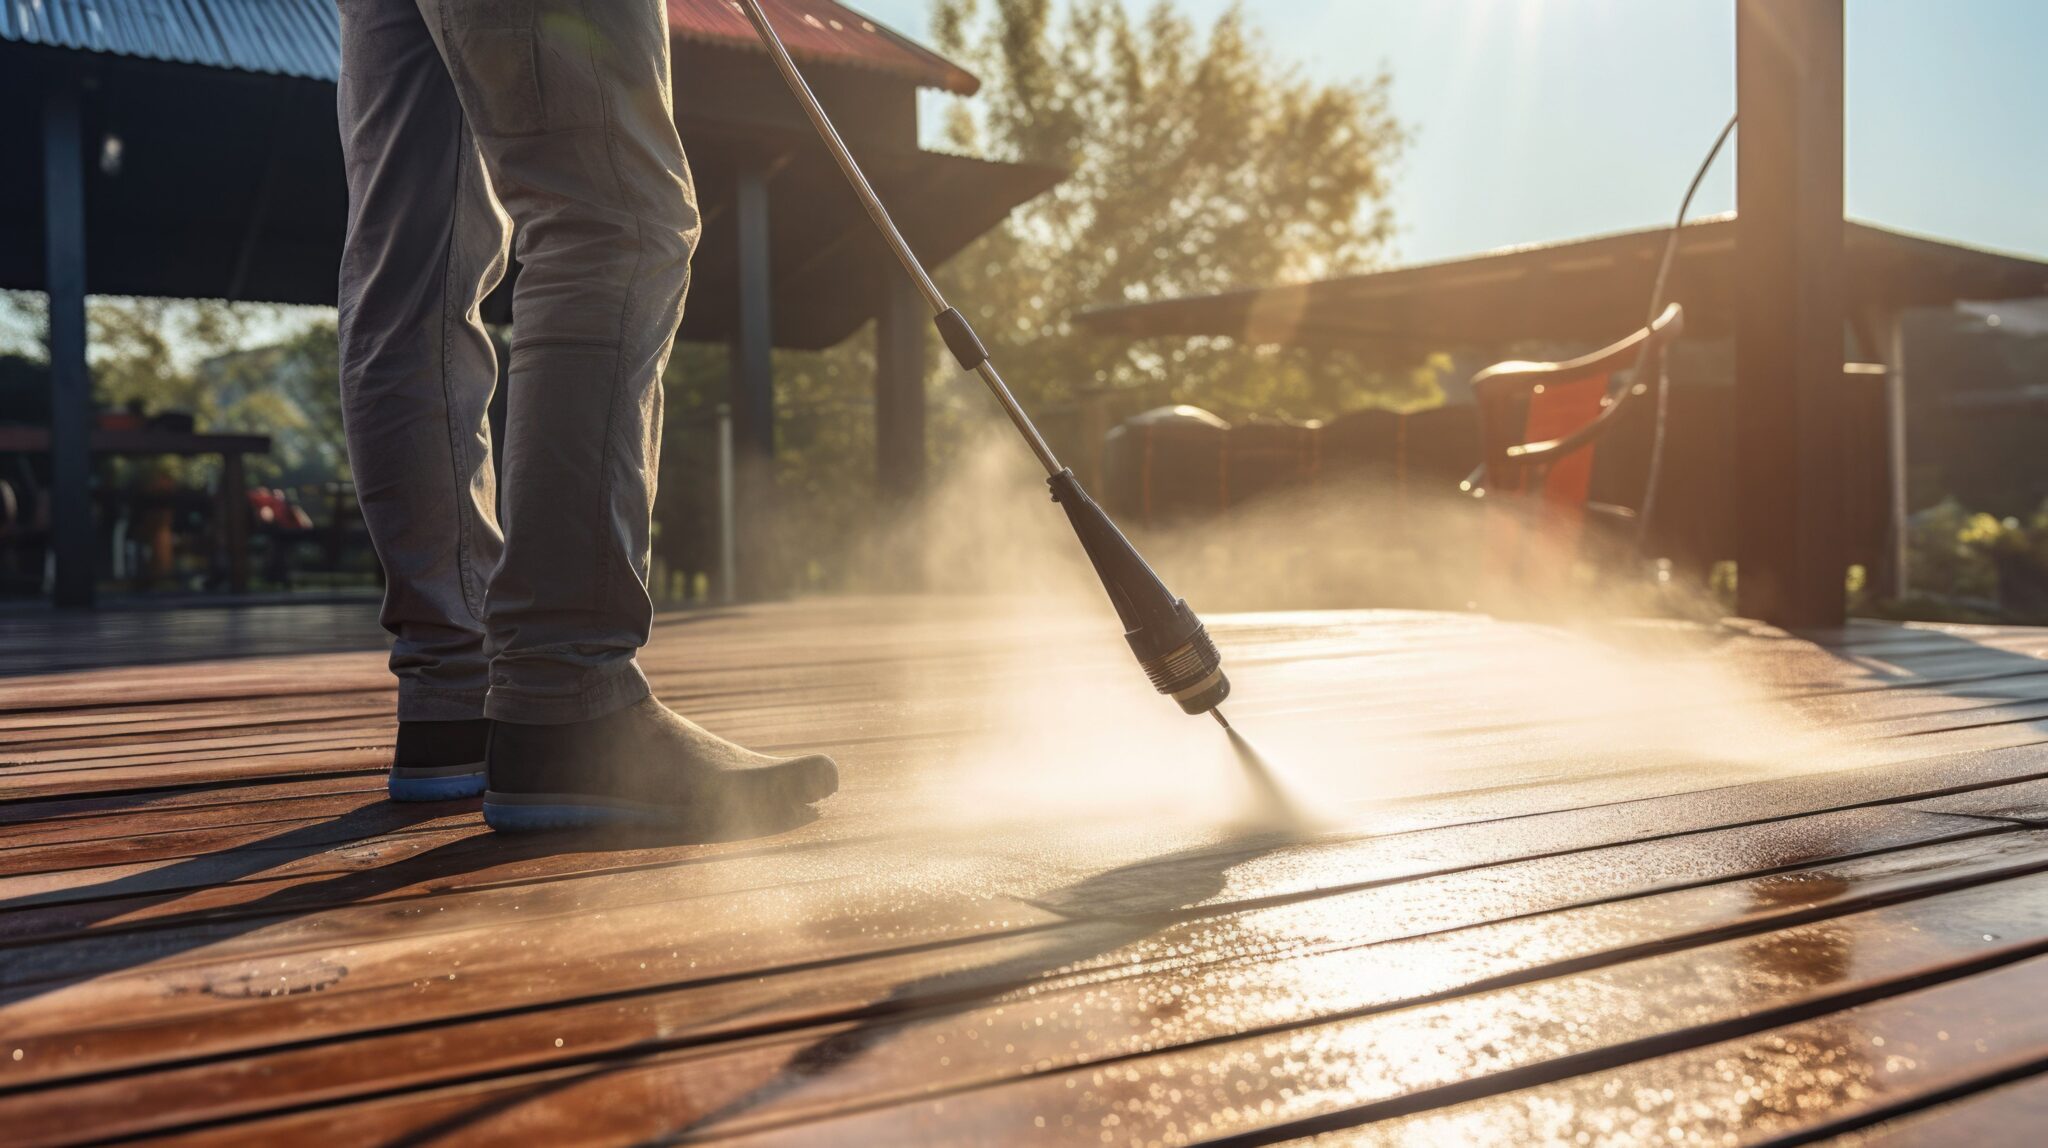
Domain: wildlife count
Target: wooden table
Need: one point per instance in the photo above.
(1657, 882)
(234, 502)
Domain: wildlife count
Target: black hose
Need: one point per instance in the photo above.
(1649, 507)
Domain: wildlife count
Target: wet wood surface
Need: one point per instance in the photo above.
(1473, 881)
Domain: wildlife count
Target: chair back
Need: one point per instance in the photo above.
(1554, 411)
(1539, 426)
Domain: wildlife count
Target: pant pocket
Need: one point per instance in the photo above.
(570, 46)
(524, 67)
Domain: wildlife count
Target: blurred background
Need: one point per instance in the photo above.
(1242, 261)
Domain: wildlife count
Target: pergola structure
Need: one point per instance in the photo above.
(1787, 277)
(1589, 291)
(190, 150)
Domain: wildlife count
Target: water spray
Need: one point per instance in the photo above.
(1172, 646)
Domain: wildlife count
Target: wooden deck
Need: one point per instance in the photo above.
(1658, 884)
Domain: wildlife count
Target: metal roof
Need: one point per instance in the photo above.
(302, 37)
(273, 37)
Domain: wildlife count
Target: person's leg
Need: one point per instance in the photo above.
(426, 242)
(569, 100)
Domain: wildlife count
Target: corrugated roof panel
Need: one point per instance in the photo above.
(291, 37)
(303, 37)
(164, 30)
(141, 24)
(275, 37)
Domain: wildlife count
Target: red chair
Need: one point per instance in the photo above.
(1539, 425)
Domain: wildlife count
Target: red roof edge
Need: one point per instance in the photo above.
(824, 32)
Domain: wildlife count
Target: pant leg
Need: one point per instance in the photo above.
(426, 242)
(570, 103)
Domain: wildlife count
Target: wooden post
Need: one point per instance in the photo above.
(1895, 445)
(71, 517)
(1791, 553)
(900, 328)
(234, 519)
(753, 380)
(753, 383)
(728, 553)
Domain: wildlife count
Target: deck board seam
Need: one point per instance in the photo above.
(891, 1012)
(836, 843)
(1627, 1052)
(1606, 958)
(1828, 1128)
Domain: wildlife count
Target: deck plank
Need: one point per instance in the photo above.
(961, 1079)
(2012, 1113)
(1440, 954)
(2027, 801)
(1812, 1078)
(640, 931)
(201, 889)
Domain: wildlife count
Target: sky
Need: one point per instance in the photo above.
(1541, 120)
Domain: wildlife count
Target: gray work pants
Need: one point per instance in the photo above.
(461, 119)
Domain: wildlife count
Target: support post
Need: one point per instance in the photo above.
(71, 518)
(234, 520)
(1791, 551)
(728, 558)
(900, 328)
(1895, 427)
(754, 340)
(753, 383)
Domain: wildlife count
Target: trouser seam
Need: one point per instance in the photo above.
(463, 573)
(605, 574)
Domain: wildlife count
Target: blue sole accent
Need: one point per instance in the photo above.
(449, 788)
(522, 818)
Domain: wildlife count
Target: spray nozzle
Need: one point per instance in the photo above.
(1172, 645)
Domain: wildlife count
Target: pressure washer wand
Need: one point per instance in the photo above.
(1172, 645)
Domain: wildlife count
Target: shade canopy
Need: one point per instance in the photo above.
(829, 263)
(219, 168)
(1588, 290)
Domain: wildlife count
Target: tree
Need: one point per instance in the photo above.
(196, 356)
(1198, 164)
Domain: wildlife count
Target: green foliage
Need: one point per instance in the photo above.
(290, 390)
(24, 324)
(1197, 164)
(161, 355)
(1948, 555)
(1975, 567)
(825, 457)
